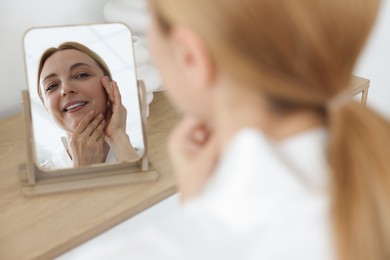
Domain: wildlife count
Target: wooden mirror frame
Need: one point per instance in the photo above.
(37, 181)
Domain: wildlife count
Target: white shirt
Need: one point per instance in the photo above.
(266, 200)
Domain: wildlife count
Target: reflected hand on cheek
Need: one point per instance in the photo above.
(86, 143)
(116, 111)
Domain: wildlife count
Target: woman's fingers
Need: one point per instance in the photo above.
(93, 125)
(193, 152)
(97, 132)
(83, 124)
(107, 85)
(102, 136)
(113, 92)
(87, 142)
(117, 94)
(188, 133)
(116, 114)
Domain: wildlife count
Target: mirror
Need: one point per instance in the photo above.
(70, 94)
(112, 42)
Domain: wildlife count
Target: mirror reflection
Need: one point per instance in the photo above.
(83, 94)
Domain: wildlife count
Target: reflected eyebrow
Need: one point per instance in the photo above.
(78, 65)
(52, 75)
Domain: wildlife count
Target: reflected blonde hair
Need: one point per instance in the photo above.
(70, 46)
(301, 54)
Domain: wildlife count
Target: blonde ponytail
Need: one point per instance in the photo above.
(359, 154)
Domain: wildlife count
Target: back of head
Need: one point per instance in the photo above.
(302, 54)
(301, 51)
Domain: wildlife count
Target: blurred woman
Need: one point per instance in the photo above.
(273, 159)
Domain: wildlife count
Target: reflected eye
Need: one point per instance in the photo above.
(81, 75)
(51, 87)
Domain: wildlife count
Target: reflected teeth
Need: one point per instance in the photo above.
(75, 105)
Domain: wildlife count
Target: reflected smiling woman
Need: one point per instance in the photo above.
(76, 88)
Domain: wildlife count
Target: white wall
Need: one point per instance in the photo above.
(16, 16)
(374, 63)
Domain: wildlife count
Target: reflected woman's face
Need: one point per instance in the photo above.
(71, 87)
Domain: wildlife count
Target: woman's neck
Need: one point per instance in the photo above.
(236, 108)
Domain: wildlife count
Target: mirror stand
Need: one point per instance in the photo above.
(36, 181)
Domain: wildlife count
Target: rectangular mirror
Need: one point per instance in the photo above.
(76, 74)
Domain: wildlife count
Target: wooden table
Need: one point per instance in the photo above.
(46, 226)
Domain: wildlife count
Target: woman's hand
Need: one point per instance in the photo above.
(86, 144)
(116, 135)
(116, 112)
(193, 153)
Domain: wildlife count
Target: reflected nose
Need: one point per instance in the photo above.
(67, 89)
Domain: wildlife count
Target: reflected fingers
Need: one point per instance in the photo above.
(83, 124)
(107, 85)
(98, 133)
(93, 125)
(117, 94)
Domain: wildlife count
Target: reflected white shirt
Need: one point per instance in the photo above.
(266, 200)
(62, 160)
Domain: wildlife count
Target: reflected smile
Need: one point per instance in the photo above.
(74, 106)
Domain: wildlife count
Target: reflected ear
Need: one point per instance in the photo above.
(192, 56)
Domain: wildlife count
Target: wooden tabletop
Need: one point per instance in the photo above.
(46, 226)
